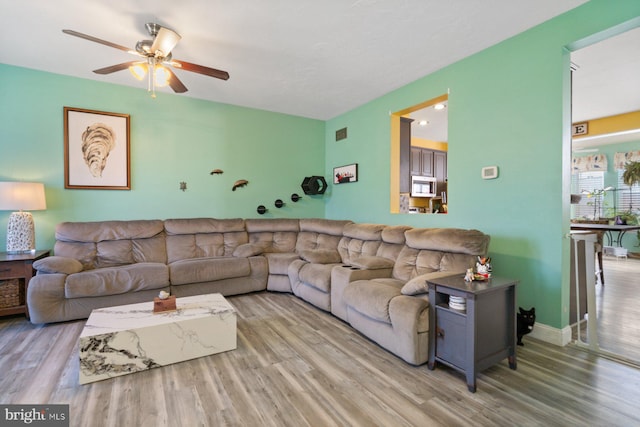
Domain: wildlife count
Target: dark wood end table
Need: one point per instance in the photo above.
(19, 266)
(473, 339)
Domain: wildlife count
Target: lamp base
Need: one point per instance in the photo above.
(21, 233)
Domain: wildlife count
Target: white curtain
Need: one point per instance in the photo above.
(621, 159)
(596, 162)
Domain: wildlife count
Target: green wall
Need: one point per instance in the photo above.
(508, 106)
(173, 139)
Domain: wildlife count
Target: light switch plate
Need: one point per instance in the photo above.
(490, 172)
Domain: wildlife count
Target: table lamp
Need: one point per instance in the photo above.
(21, 197)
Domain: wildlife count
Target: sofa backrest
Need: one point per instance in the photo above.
(273, 234)
(203, 237)
(111, 243)
(439, 249)
(393, 240)
(359, 240)
(320, 234)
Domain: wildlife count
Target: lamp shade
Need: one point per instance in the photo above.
(22, 196)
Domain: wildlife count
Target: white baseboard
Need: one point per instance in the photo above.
(560, 337)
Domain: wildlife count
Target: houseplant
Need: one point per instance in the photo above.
(631, 174)
(630, 177)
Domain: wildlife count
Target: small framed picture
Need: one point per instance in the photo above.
(344, 174)
(96, 150)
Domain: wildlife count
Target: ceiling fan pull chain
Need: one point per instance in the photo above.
(152, 76)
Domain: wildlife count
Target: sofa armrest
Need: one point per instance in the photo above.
(321, 256)
(341, 276)
(372, 263)
(410, 320)
(418, 285)
(58, 265)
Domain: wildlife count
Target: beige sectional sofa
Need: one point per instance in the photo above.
(372, 276)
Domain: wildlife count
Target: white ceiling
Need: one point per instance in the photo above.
(314, 59)
(607, 78)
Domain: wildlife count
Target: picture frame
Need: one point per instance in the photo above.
(345, 174)
(97, 152)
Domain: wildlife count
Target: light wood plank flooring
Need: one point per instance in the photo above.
(618, 308)
(298, 366)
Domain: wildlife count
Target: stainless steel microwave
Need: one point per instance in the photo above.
(423, 186)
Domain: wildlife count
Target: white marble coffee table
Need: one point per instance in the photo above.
(131, 338)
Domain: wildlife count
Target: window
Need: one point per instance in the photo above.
(587, 182)
(628, 197)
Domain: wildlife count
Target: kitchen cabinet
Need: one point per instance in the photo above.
(440, 171)
(426, 162)
(421, 161)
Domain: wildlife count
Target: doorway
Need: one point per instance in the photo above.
(606, 126)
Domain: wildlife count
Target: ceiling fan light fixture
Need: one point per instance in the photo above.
(161, 76)
(164, 42)
(138, 70)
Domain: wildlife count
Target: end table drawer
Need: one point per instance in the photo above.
(12, 269)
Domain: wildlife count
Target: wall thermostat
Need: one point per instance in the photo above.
(490, 172)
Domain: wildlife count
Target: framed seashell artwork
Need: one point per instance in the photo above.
(96, 150)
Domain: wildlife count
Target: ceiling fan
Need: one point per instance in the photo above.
(156, 53)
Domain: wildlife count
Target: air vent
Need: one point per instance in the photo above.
(341, 134)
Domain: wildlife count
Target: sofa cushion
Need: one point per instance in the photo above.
(372, 262)
(372, 297)
(247, 250)
(418, 285)
(107, 230)
(320, 256)
(470, 242)
(275, 234)
(317, 276)
(198, 270)
(319, 234)
(111, 243)
(279, 262)
(117, 280)
(58, 264)
(203, 237)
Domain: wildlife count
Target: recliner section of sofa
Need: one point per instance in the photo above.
(202, 258)
(99, 264)
(317, 247)
(372, 276)
(393, 311)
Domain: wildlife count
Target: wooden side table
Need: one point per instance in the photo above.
(483, 334)
(18, 267)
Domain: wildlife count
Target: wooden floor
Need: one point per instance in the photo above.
(298, 366)
(618, 308)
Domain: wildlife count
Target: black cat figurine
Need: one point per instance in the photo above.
(526, 320)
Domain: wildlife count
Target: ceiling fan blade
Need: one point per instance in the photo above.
(201, 69)
(164, 42)
(97, 40)
(175, 83)
(114, 68)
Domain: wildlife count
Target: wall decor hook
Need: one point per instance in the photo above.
(262, 210)
(295, 197)
(279, 203)
(183, 186)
